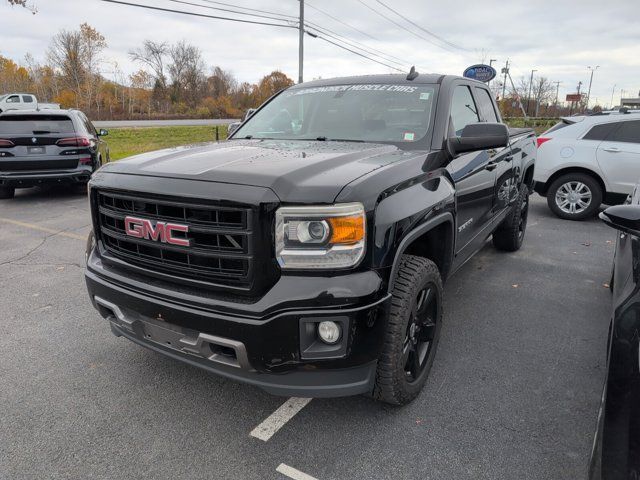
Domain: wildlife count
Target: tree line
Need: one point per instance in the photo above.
(171, 80)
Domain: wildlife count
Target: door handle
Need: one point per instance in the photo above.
(491, 165)
(612, 149)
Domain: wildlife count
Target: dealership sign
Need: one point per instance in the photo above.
(482, 73)
(574, 97)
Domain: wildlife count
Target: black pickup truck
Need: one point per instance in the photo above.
(306, 255)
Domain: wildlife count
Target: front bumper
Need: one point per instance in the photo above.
(268, 351)
(26, 179)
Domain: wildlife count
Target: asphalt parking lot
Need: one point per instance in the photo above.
(513, 393)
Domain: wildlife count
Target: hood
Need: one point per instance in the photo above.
(295, 170)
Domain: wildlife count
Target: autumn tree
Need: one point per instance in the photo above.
(77, 55)
(270, 85)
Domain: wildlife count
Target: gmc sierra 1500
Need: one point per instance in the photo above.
(306, 255)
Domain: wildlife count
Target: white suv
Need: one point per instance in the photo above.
(585, 161)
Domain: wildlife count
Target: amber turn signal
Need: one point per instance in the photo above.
(346, 230)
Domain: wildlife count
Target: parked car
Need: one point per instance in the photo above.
(586, 161)
(616, 452)
(47, 146)
(306, 255)
(24, 101)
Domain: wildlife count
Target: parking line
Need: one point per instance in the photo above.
(33, 226)
(293, 473)
(279, 418)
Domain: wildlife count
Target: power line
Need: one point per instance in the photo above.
(354, 44)
(340, 21)
(325, 31)
(420, 27)
(254, 22)
(251, 9)
(356, 53)
(194, 14)
(404, 28)
(238, 12)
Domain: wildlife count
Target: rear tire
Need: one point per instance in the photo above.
(7, 192)
(412, 332)
(574, 196)
(510, 234)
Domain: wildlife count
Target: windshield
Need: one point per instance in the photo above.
(368, 113)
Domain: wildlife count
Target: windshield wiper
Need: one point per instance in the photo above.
(41, 132)
(248, 137)
(321, 138)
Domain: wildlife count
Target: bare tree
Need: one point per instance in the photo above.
(187, 73)
(152, 54)
(65, 52)
(221, 83)
(92, 45)
(536, 93)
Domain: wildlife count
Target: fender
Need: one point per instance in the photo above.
(421, 229)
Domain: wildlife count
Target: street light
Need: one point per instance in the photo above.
(593, 69)
(529, 96)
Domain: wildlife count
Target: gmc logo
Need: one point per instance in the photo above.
(161, 231)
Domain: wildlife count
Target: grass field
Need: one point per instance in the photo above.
(124, 142)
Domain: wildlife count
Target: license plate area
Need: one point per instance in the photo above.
(35, 150)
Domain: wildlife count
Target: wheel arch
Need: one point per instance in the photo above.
(596, 176)
(433, 239)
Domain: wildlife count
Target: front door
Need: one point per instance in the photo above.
(473, 173)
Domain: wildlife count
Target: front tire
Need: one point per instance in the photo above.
(412, 333)
(7, 192)
(510, 234)
(574, 196)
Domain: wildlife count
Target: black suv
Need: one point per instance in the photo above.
(48, 147)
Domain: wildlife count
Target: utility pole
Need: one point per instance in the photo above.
(593, 69)
(613, 90)
(529, 96)
(491, 64)
(301, 42)
(524, 114)
(505, 70)
(555, 104)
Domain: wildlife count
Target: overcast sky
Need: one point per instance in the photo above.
(558, 38)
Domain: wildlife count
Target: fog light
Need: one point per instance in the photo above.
(329, 332)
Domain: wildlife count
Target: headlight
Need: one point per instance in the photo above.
(320, 237)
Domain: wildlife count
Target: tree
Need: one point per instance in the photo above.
(152, 54)
(270, 85)
(534, 94)
(221, 83)
(187, 73)
(77, 55)
(23, 3)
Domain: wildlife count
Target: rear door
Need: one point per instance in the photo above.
(31, 142)
(619, 156)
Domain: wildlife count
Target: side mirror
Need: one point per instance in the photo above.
(232, 128)
(480, 136)
(103, 133)
(250, 112)
(625, 218)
